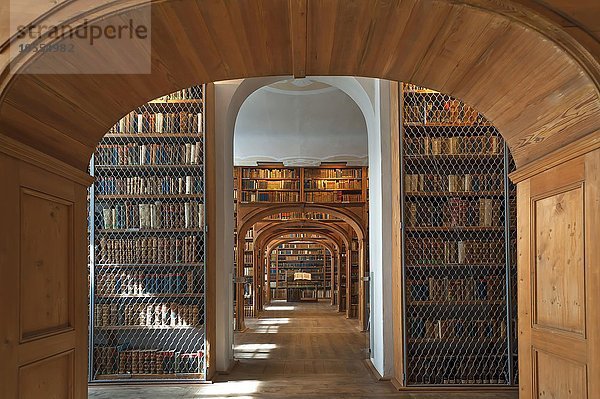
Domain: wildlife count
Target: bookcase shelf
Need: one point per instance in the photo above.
(147, 244)
(133, 296)
(278, 184)
(142, 328)
(150, 135)
(137, 265)
(458, 297)
(291, 258)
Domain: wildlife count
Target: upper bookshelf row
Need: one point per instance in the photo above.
(316, 185)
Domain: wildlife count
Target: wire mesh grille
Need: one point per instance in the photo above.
(457, 248)
(147, 243)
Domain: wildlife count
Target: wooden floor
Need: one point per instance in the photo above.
(302, 350)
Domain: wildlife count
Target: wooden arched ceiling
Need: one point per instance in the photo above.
(278, 229)
(513, 61)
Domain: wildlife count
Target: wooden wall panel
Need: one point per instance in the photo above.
(559, 252)
(50, 378)
(558, 217)
(557, 378)
(43, 277)
(46, 275)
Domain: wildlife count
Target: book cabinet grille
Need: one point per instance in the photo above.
(458, 257)
(147, 244)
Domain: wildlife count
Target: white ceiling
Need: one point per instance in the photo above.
(300, 122)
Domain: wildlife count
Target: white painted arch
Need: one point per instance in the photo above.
(372, 98)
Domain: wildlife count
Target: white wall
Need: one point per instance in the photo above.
(300, 128)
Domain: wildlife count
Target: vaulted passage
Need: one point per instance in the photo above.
(529, 68)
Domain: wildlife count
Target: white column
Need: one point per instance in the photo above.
(380, 223)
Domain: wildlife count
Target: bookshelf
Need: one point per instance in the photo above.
(249, 284)
(306, 197)
(269, 185)
(354, 280)
(278, 184)
(458, 239)
(298, 271)
(147, 244)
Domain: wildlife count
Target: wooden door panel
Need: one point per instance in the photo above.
(559, 378)
(46, 275)
(558, 264)
(43, 285)
(558, 281)
(50, 378)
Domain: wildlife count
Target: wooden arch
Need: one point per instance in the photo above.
(514, 63)
(532, 70)
(296, 226)
(331, 242)
(342, 213)
(327, 243)
(332, 246)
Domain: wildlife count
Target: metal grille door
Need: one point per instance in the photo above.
(456, 244)
(147, 252)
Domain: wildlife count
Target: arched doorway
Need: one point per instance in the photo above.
(470, 61)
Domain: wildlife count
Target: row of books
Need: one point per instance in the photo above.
(300, 265)
(155, 215)
(248, 258)
(277, 196)
(270, 185)
(159, 122)
(432, 109)
(305, 247)
(133, 154)
(114, 360)
(412, 87)
(249, 246)
(433, 251)
(141, 314)
(314, 257)
(260, 173)
(333, 185)
(191, 93)
(443, 329)
(461, 369)
(336, 196)
(319, 173)
(483, 144)
(138, 283)
(453, 183)
(302, 215)
(455, 212)
(149, 185)
(149, 250)
(488, 288)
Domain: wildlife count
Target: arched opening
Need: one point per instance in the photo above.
(517, 65)
(283, 132)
